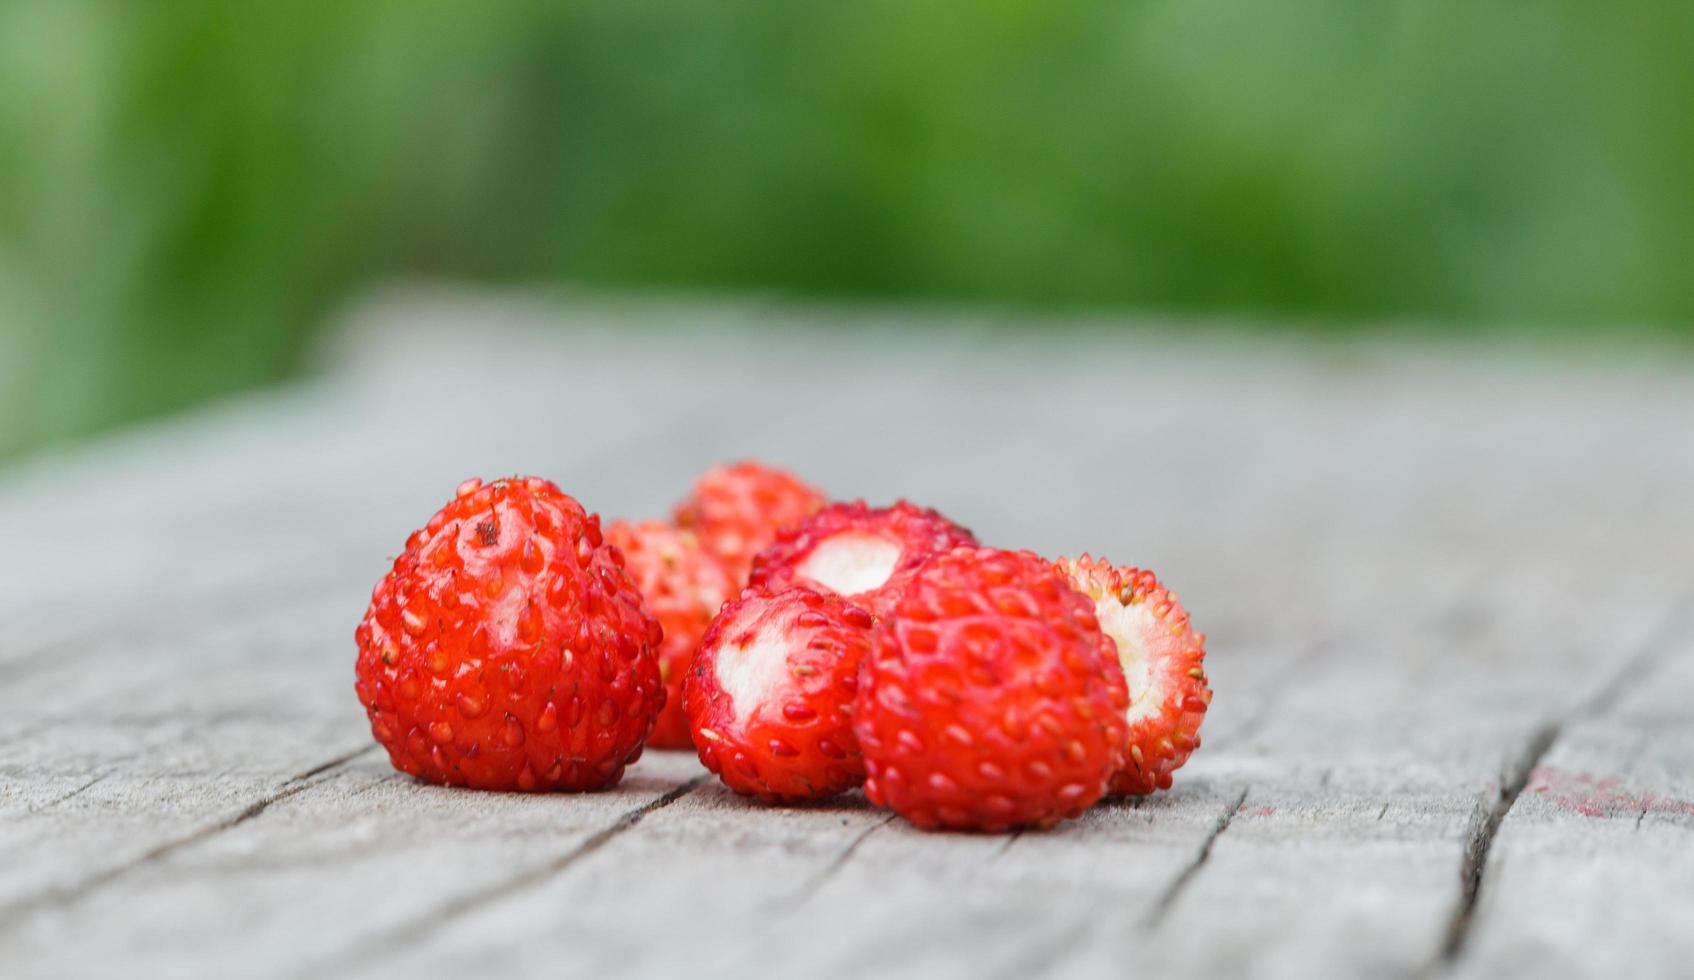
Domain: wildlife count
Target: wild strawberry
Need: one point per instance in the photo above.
(867, 554)
(506, 649)
(991, 700)
(682, 587)
(770, 694)
(1162, 659)
(736, 511)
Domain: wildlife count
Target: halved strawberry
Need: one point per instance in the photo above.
(867, 554)
(770, 693)
(1163, 662)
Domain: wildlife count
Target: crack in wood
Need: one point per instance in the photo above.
(815, 885)
(334, 763)
(61, 896)
(1490, 815)
(73, 794)
(374, 785)
(403, 934)
(1174, 890)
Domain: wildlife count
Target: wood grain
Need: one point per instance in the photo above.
(1447, 589)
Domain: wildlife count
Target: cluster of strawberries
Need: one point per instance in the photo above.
(802, 648)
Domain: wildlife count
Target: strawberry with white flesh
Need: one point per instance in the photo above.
(1163, 662)
(770, 694)
(866, 554)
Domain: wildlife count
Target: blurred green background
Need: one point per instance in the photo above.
(186, 189)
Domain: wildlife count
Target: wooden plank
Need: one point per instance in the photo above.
(186, 736)
(736, 891)
(1593, 868)
(176, 712)
(1391, 546)
(351, 856)
(740, 888)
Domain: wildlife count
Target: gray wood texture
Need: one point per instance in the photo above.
(1449, 590)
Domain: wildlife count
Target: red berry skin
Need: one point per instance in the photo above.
(683, 587)
(770, 695)
(867, 554)
(1163, 661)
(992, 700)
(736, 510)
(507, 650)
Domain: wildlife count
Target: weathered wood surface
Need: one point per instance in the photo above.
(1450, 594)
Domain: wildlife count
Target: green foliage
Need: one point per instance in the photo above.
(186, 187)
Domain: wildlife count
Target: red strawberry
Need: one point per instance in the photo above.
(681, 586)
(770, 695)
(992, 700)
(1162, 659)
(736, 510)
(506, 649)
(866, 554)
